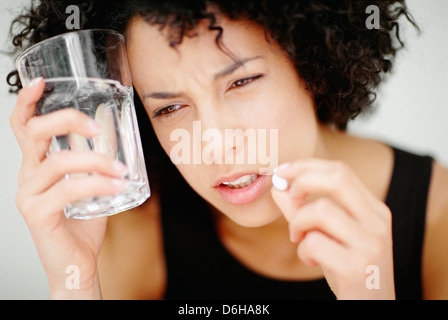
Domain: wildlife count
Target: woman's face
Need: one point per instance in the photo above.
(224, 118)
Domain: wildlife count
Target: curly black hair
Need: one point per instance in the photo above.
(340, 60)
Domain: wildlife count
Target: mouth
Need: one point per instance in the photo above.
(241, 189)
(242, 182)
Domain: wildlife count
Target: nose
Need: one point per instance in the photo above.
(223, 135)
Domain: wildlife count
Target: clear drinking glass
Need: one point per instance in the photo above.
(88, 70)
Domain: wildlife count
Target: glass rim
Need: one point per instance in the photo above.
(23, 53)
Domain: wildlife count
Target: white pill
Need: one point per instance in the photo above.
(279, 183)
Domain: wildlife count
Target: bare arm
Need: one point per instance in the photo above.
(435, 250)
(131, 262)
(43, 193)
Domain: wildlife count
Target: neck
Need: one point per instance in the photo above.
(331, 144)
(266, 250)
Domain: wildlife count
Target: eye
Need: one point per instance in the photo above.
(167, 111)
(245, 81)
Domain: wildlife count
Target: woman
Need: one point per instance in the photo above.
(351, 218)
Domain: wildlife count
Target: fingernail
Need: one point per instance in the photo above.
(94, 126)
(34, 82)
(120, 167)
(281, 167)
(279, 183)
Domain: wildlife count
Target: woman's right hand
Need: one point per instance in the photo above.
(65, 246)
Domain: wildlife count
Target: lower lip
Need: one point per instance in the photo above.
(244, 195)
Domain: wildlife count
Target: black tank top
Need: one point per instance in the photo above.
(199, 266)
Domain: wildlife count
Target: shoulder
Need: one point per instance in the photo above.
(435, 257)
(131, 261)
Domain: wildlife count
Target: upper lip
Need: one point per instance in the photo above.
(232, 177)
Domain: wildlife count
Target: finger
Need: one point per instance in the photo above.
(61, 123)
(69, 190)
(40, 130)
(58, 164)
(331, 179)
(290, 169)
(25, 106)
(287, 204)
(319, 249)
(42, 208)
(325, 216)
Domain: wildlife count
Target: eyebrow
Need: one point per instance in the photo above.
(225, 72)
(161, 95)
(232, 68)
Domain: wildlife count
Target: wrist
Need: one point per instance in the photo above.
(75, 288)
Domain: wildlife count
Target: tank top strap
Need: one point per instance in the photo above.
(407, 200)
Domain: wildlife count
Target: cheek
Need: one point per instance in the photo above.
(290, 108)
(298, 127)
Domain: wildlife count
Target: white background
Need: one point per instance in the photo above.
(412, 113)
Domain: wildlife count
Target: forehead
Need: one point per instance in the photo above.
(234, 30)
(150, 43)
(192, 66)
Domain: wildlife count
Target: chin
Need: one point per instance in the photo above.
(253, 215)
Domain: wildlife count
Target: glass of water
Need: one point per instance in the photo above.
(88, 70)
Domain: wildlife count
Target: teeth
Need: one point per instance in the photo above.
(242, 182)
(243, 179)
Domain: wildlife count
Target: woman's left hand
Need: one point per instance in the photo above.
(340, 226)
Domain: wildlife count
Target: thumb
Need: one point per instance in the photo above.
(286, 203)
